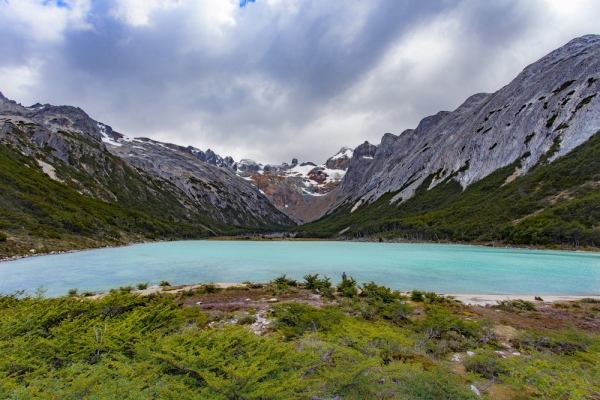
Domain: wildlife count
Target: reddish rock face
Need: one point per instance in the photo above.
(318, 175)
(278, 189)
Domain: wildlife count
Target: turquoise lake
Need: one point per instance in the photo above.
(431, 267)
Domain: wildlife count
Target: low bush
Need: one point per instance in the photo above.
(209, 288)
(417, 296)
(164, 283)
(295, 319)
(73, 292)
(347, 287)
(251, 285)
(439, 322)
(142, 286)
(436, 384)
(487, 364)
(568, 341)
(515, 305)
(384, 294)
(284, 280)
(3, 237)
(246, 319)
(313, 282)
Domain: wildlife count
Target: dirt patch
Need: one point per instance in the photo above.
(549, 316)
(243, 298)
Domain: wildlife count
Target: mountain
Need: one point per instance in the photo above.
(66, 176)
(303, 191)
(516, 139)
(516, 166)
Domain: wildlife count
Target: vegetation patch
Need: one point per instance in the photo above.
(584, 102)
(563, 86)
(128, 346)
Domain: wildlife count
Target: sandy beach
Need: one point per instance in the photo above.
(492, 299)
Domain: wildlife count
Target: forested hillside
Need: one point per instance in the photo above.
(555, 203)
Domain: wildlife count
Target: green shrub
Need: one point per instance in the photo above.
(438, 384)
(3, 237)
(439, 321)
(313, 282)
(417, 296)
(384, 294)
(209, 288)
(295, 319)
(126, 289)
(246, 319)
(397, 311)
(164, 283)
(347, 287)
(487, 364)
(515, 305)
(284, 280)
(251, 285)
(142, 286)
(73, 292)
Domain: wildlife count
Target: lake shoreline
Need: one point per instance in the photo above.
(285, 239)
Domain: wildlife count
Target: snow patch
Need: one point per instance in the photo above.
(345, 152)
(106, 138)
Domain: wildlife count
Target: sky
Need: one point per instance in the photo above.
(274, 79)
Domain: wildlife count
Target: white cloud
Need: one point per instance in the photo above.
(44, 21)
(17, 82)
(277, 78)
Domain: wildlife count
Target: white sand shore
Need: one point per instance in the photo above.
(483, 299)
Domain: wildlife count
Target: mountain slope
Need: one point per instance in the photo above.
(481, 172)
(554, 99)
(58, 180)
(554, 203)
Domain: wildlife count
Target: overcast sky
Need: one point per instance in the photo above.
(274, 79)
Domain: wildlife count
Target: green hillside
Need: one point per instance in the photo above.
(555, 203)
(41, 213)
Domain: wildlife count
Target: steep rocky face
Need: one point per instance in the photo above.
(341, 160)
(219, 191)
(81, 150)
(549, 109)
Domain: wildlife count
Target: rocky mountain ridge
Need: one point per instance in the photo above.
(75, 149)
(546, 111)
(303, 191)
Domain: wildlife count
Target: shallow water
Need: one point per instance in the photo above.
(431, 267)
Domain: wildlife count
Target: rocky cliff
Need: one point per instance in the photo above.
(550, 108)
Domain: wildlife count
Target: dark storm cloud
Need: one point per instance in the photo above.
(273, 79)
